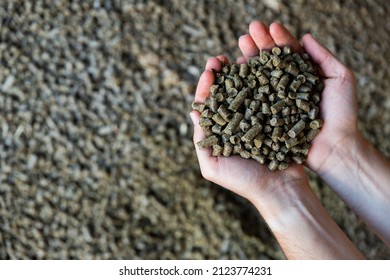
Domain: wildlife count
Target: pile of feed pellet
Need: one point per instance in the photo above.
(272, 100)
(96, 152)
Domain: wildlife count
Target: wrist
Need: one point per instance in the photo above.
(301, 224)
(282, 195)
(337, 154)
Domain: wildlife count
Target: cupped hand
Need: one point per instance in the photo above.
(338, 108)
(245, 177)
(339, 102)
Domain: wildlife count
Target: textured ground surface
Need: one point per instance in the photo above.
(96, 158)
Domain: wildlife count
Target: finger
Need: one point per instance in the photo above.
(204, 155)
(213, 63)
(247, 46)
(261, 36)
(331, 67)
(283, 37)
(223, 59)
(241, 60)
(204, 84)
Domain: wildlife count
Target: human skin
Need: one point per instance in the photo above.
(284, 198)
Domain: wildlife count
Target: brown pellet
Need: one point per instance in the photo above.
(217, 129)
(315, 124)
(213, 90)
(232, 92)
(304, 88)
(313, 113)
(276, 61)
(244, 125)
(303, 95)
(245, 154)
(218, 119)
(263, 80)
(286, 50)
(278, 106)
(198, 106)
(295, 84)
(227, 149)
(268, 128)
(298, 158)
(213, 104)
(311, 134)
(273, 165)
(280, 156)
(259, 158)
(255, 105)
(275, 146)
(237, 82)
(248, 113)
(263, 58)
(255, 151)
(235, 139)
(277, 133)
(234, 68)
(258, 140)
(244, 70)
(277, 121)
(217, 150)
(283, 82)
(229, 84)
(237, 148)
(276, 51)
(286, 111)
(296, 129)
(315, 98)
(264, 89)
(298, 59)
(311, 78)
(224, 113)
(238, 100)
(283, 166)
(233, 124)
(292, 69)
(281, 94)
(208, 142)
(277, 73)
(251, 133)
(268, 142)
(205, 122)
(291, 142)
(225, 138)
(302, 104)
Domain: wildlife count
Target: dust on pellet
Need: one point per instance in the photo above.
(266, 109)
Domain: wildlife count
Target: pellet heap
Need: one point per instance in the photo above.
(266, 110)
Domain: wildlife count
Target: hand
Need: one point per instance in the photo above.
(338, 108)
(339, 102)
(245, 177)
